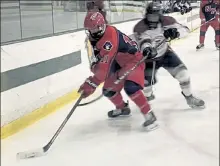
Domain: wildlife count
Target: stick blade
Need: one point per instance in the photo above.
(31, 154)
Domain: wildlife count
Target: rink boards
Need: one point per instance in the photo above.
(39, 77)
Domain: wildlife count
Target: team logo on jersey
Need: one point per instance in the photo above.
(108, 45)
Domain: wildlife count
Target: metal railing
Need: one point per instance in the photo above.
(23, 20)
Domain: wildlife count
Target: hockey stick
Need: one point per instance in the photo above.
(123, 76)
(42, 151)
(87, 47)
(207, 21)
(117, 81)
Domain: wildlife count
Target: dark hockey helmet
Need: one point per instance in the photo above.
(94, 4)
(95, 25)
(90, 5)
(153, 14)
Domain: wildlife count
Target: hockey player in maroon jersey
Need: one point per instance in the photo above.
(209, 15)
(115, 53)
(156, 28)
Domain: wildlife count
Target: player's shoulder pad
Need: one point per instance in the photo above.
(168, 20)
(109, 40)
(140, 27)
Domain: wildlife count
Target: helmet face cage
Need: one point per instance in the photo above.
(95, 25)
(97, 32)
(154, 8)
(153, 13)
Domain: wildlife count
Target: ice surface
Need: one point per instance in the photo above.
(185, 138)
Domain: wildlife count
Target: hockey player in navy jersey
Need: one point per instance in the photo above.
(209, 15)
(115, 54)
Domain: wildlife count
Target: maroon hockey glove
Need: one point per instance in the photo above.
(89, 86)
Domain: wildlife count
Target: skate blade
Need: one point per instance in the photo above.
(119, 117)
(197, 107)
(151, 102)
(200, 49)
(151, 127)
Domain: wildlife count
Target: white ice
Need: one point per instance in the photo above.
(185, 138)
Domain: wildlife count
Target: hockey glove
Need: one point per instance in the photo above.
(150, 52)
(189, 9)
(89, 86)
(95, 59)
(171, 33)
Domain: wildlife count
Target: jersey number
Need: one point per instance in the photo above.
(210, 9)
(129, 41)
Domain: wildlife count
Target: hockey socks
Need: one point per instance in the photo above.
(117, 100)
(140, 100)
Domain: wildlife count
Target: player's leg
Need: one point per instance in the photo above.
(203, 30)
(150, 79)
(216, 26)
(133, 87)
(134, 91)
(113, 93)
(121, 107)
(178, 70)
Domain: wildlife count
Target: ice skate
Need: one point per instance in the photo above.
(148, 93)
(194, 102)
(150, 120)
(217, 46)
(150, 98)
(120, 112)
(200, 46)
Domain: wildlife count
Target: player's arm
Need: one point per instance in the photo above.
(218, 11)
(107, 53)
(173, 29)
(101, 68)
(144, 42)
(140, 35)
(201, 12)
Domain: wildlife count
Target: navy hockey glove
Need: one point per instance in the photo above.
(150, 52)
(171, 33)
